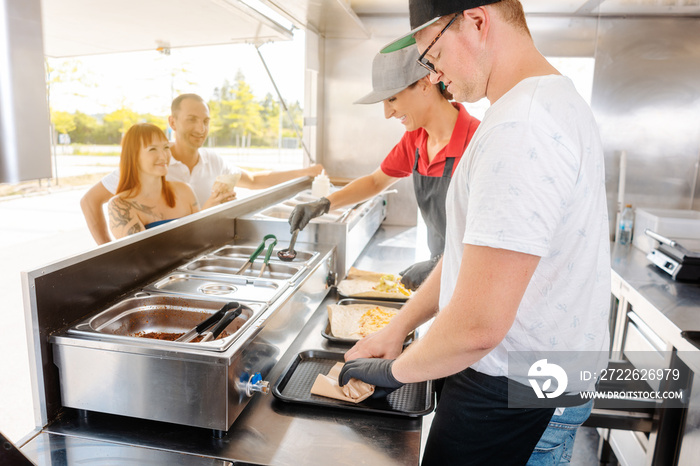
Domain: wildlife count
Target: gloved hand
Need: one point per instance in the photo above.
(416, 274)
(303, 213)
(374, 371)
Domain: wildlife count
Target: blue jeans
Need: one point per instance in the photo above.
(557, 442)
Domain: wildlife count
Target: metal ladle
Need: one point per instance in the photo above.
(289, 254)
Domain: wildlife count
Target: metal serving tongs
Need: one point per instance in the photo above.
(257, 252)
(223, 323)
(210, 321)
(267, 255)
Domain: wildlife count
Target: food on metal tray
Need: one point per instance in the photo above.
(364, 284)
(356, 321)
(391, 284)
(375, 319)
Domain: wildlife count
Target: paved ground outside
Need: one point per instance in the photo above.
(35, 230)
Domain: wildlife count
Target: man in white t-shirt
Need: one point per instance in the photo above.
(189, 118)
(526, 267)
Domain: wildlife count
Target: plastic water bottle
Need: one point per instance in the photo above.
(626, 225)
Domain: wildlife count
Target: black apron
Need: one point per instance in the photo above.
(431, 192)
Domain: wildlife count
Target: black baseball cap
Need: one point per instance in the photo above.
(423, 13)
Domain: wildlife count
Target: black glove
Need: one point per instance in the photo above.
(303, 213)
(416, 274)
(374, 371)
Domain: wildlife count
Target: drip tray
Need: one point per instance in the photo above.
(234, 288)
(136, 319)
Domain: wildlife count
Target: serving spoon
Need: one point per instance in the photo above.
(289, 254)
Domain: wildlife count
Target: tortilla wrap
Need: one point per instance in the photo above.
(345, 319)
(361, 284)
(354, 391)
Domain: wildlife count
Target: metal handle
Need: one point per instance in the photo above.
(347, 213)
(270, 247)
(261, 246)
(293, 240)
(659, 238)
(223, 323)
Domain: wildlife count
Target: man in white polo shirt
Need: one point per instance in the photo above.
(190, 164)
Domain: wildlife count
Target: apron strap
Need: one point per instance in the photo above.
(449, 163)
(446, 172)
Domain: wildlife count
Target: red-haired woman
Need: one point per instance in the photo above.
(144, 198)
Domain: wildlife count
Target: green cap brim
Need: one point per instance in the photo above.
(405, 40)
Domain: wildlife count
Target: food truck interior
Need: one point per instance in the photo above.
(101, 392)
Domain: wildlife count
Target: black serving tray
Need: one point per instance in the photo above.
(294, 386)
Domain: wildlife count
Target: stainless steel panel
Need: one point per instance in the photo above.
(157, 387)
(646, 98)
(25, 149)
(244, 252)
(349, 237)
(213, 266)
(228, 288)
(356, 138)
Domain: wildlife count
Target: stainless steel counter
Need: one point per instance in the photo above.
(667, 306)
(268, 431)
(650, 312)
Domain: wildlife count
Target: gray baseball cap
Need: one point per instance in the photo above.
(423, 13)
(392, 73)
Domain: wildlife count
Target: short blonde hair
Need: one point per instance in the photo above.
(512, 12)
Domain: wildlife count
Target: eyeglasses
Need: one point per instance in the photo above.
(425, 63)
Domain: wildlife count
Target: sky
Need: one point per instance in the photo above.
(147, 81)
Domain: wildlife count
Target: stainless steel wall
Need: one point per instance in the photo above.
(646, 98)
(356, 138)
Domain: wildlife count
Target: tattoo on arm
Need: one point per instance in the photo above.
(135, 229)
(119, 213)
(123, 221)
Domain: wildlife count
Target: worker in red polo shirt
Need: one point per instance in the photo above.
(437, 133)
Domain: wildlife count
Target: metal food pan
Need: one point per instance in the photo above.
(236, 288)
(328, 334)
(228, 267)
(294, 386)
(132, 318)
(244, 252)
